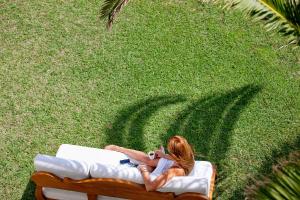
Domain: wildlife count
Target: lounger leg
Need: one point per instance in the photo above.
(39, 193)
(92, 197)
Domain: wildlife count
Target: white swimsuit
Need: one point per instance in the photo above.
(162, 166)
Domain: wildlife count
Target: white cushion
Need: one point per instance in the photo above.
(90, 155)
(124, 172)
(202, 169)
(197, 181)
(61, 167)
(59, 194)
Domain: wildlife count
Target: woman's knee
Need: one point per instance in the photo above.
(111, 147)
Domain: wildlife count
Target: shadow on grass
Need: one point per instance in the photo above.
(28, 194)
(266, 167)
(207, 124)
(127, 129)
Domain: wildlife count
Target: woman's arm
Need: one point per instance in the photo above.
(134, 154)
(160, 180)
(160, 154)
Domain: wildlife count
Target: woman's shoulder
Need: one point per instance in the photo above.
(176, 171)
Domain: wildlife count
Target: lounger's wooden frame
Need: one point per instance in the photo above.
(110, 187)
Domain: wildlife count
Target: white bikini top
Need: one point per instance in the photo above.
(162, 166)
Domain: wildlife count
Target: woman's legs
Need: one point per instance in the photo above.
(134, 154)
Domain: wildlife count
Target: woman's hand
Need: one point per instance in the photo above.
(144, 168)
(159, 154)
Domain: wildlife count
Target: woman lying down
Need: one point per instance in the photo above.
(179, 162)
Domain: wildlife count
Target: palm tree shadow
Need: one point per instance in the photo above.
(127, 129)
(208, 123)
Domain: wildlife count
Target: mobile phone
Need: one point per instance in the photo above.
(132, 165)
(124, 161)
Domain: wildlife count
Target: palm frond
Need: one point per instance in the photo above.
(283, 15)
(110, 9)
(283, 183)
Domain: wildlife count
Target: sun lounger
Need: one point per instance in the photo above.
(83, 173)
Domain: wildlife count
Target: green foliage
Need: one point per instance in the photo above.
(283, 15)
(110, 9)
(167, 67)
(284, 183)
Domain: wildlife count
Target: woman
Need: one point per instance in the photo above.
(179, 162)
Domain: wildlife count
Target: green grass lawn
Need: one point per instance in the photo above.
(168, 67)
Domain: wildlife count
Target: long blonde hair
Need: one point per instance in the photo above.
(181, 152)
